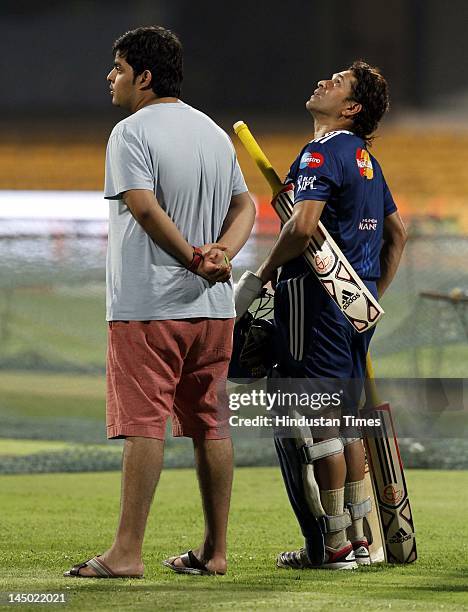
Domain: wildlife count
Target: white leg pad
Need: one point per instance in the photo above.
(311, 452)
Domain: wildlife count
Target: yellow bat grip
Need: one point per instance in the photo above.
(371, 387)
(259, 157)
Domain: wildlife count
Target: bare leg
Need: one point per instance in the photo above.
(214, 463)
(355, 461)
(142, 463)
(330, 472)
(354, 488)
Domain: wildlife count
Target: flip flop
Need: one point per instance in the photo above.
(191, 566)
(102, 570)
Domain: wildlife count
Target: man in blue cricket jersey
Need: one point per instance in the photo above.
(338, 182)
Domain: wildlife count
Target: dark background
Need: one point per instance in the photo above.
(246, 58)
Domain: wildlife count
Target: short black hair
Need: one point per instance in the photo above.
(155, 49)
(370, 89)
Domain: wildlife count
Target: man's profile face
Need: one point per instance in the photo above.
(332, 96)
(121, 82)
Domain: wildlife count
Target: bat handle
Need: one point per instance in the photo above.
(259, 157)
(371, 387)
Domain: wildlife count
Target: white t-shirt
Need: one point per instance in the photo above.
(190, 165)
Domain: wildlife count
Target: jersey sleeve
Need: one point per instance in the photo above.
(127, 165)
(389, 204)
(238, 182)
(292, 172)
(318, 173)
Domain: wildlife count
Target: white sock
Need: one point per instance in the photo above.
(333, 504)
(354, 494)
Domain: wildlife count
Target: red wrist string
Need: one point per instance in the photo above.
(196, 259)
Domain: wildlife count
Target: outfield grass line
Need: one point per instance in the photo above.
(74, 338)
(56, 385)
(19, 447)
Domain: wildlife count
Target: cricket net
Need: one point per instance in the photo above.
(53, 340)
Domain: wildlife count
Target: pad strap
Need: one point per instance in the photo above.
(347, 441)
(338, 522)
(313, 452)
(360, 510)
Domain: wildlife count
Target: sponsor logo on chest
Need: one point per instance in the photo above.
(368, 224)
(364, 164)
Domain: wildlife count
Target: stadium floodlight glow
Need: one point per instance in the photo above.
(60, 205)
(51, 213)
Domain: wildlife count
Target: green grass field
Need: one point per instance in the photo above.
(50, 522)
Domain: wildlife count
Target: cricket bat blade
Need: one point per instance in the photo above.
(389, 485)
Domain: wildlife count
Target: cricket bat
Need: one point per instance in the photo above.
(325, 258)
(388, 478)
(372, 523)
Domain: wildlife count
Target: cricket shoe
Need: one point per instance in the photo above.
(361, 552)
(340, 559)
(296, 559)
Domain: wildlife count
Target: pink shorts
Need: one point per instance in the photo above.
(172, 368)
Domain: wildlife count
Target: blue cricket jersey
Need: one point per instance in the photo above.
(338, 169)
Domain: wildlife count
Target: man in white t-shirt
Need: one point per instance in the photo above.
(179, 211)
